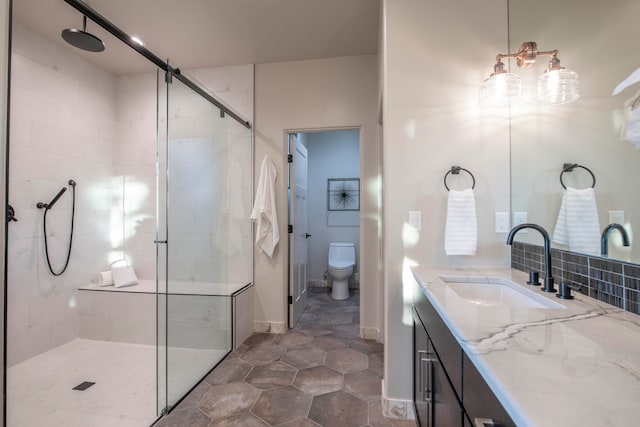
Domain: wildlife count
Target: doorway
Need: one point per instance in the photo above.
(323, 207)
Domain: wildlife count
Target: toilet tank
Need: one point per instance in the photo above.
(345, 252)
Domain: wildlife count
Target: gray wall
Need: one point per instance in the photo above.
(435, 59)
(332, 154)
(313, 95)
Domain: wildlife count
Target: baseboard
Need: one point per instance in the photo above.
(396, 408)
(269, 327)
(316, 283)
(369, 333)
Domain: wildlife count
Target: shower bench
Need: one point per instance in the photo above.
(199, 314)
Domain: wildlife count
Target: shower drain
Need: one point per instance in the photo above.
(83, 386)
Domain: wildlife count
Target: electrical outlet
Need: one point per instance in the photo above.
(520, 218)
(616, 217)
(415, 219)
(502, 222)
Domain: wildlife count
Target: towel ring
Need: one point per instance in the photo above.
(569, 167)
(455, 170)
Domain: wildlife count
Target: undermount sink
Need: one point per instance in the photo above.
(497, 292)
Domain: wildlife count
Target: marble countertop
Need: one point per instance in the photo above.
(575, 366)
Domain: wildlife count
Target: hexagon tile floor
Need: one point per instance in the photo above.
(318, 374)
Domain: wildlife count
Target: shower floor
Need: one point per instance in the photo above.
(124, 395)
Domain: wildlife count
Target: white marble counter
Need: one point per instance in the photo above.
(576, 366)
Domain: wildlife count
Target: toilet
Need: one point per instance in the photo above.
(342, 259)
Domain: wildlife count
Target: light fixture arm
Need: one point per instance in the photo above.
(526, 55)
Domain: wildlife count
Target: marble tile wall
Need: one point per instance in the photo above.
(63, 115)
(611, 281)
(242, 316)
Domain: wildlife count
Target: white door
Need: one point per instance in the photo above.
(298, 237)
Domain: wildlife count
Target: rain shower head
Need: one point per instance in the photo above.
(82, 39)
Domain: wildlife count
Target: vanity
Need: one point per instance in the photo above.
(490, 350)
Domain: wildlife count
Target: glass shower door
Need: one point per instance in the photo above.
(203, 212)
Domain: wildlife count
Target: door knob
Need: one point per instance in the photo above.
(307, 235)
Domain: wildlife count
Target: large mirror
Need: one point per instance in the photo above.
(599, 41)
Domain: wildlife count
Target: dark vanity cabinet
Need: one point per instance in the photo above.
(436, 402)
(448, 391)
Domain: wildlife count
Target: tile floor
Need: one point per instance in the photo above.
(318, 374)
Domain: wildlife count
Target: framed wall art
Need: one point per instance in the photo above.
(343, 194)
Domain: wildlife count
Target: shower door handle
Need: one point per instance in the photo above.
(11, 214)
(160, 241)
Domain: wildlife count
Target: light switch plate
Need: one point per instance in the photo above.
(415, 219)
(502, 222)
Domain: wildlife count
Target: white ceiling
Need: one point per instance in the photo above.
(210, 33)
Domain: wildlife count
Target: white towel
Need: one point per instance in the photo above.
(105, 278)
(461, 231)
(264, 208)
(578, 226)
(124, 276)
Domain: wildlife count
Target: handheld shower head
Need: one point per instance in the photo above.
(82, 39)
(55, 199)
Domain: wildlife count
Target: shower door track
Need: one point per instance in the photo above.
(96, 17)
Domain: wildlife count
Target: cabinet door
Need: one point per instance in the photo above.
(447, 411)
(422, 374)
(483, 407)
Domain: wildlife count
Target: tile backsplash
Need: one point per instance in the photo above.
(611, 281)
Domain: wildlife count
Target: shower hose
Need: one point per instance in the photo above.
(44, 227)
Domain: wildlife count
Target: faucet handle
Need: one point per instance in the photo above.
(534, 278)
(565, 291)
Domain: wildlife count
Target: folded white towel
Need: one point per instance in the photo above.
(578, 226)
(124, 276)
(105, 278)
(264, 208)
(461, 231)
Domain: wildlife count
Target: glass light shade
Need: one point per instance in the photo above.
(558, 87)
(500, 89)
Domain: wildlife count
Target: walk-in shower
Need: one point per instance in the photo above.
(164, 189)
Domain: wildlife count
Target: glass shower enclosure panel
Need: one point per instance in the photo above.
(205, 178)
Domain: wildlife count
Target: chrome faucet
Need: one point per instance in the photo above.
(548, 280)
(604, 243)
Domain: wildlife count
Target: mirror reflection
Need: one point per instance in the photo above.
(591, 143)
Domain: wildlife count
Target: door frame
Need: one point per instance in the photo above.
(287, 132)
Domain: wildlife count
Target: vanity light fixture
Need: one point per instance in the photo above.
(557, 85)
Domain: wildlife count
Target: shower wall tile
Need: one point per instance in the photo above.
(614, 282)
(62, 116)
(243, 316)
(117, 316)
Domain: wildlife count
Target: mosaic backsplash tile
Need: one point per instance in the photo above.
(614, 282)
